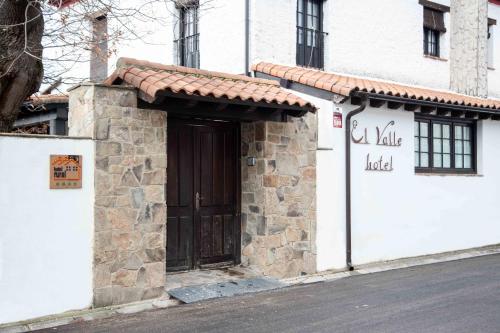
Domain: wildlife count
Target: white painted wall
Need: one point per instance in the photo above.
(401, 214)
(381, 39)
(45, 235)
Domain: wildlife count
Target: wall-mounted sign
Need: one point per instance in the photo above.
(385, 136)
(65, 172)
(337, 120)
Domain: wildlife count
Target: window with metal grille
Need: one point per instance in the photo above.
(310, 35)
(444, 145)
(431, 42)
(188, 44)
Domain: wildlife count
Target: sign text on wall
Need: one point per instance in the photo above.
(385, 136)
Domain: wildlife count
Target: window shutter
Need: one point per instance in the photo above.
(186, 3)
(434, 19)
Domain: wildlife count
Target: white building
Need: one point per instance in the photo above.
(419, 43)
(439, 201)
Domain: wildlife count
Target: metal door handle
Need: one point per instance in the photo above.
(197, 201)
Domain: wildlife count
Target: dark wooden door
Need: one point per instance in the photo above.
(203, 225)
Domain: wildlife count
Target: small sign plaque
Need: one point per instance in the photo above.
(337, 120)
(65, 172)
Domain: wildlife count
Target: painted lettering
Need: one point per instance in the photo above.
(363, 139)
(387, 137)
(379, 164)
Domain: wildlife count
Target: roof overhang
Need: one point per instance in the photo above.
(189, 92)
(421, 106)
(314, 85)
(183, 105)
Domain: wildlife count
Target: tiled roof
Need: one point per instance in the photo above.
(37, 100)
(345, 85)
(153, 78)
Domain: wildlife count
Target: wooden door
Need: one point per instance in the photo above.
(203, 225)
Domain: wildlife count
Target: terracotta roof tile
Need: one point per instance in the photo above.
(152, 78)
(345, 85)
(38, 100)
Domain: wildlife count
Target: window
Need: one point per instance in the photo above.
(491, 42)
(433, 28)
(188, 52)
(444, 145)
(431, 42)
(310, 36)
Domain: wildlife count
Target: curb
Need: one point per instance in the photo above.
(394, 264)
(87, 315)
(166, 302)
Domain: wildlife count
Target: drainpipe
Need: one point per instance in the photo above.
(247, 37)
(351, 114)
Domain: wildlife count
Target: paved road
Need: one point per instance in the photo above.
(459, 296)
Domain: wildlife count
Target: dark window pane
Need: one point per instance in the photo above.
(310, 45)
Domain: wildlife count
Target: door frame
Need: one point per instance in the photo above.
(172, 121)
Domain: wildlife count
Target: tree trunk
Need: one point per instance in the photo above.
(21, 69)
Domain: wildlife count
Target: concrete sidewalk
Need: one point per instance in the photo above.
(166, 301)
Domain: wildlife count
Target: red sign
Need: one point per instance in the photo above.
(337, 120)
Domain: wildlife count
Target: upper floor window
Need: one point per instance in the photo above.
(433, 28)
(310, 41)
(444, 145)
(491, 42)
(188, 44)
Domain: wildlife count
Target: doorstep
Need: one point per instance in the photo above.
(166, 301)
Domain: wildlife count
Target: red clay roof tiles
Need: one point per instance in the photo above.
(153, 78)
(345, 85)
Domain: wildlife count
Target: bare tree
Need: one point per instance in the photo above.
(42, 41)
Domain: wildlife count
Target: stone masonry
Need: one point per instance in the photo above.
(469, 47)
(279, 196)
(130, 175)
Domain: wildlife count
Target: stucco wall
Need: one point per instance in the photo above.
(401, 214)
(45, 235)
(370, 38)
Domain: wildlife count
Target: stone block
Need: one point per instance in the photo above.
(119, 134)
(103, 297)
(102, 129)
(123, 295)
(270, 180)
(153, 240)
(287, 164)
(124, 278)
(293, 235)
(155, 193)
(159, 214)
(102, 276)
(154, 178)
(104, 149)
(260, 131)
(155, 273)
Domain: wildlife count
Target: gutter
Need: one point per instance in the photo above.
(351, 114)
(247, 37)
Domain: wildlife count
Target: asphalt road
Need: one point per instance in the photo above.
(458, 296)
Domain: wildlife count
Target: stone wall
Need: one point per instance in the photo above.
(279, 196)
(469, 47)
(130, 207)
